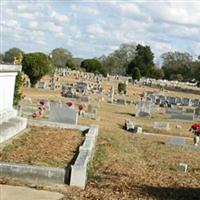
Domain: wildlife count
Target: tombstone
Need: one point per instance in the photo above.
(171, 100)
(112, 91)
(61, 113)
(84, 99)
(41, 85)
(197, 112)
(183, 116)
(179, 141)
(92, 108)
(195, 102)
(186, 101)
(52, 86)
(143, 109)
(178, 101)
(162, 125)
(121, 101)
(138, 130)
(152, 98)
(183, 167)
(162, 98)
(129, 126)
(10, 123)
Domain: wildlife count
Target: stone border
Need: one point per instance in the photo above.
(76, 173)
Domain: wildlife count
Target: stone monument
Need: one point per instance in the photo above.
(10, 123)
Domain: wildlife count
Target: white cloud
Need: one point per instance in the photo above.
(85, 9)
(103, 26)
(33, 24)
(96, 29)
(59, 17)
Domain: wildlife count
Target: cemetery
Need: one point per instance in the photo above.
(100, 100)
(135, 130)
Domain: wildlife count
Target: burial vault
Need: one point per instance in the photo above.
(10, 123)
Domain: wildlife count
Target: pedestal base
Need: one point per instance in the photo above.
(12, 127)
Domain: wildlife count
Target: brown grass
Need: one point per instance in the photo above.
(128, 166)
(43, 146)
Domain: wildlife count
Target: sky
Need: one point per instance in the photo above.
(93, 28)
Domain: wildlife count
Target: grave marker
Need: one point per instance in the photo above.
(63, 114)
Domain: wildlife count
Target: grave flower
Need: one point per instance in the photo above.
(42, 102)
(69, 104)
(80, 107)
(34, 115)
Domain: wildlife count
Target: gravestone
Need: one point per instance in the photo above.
(183, 167)
(183, 116)
(129, 126)
(161, 125)
(186, 102)
(41, 85)
(171, 100)
(177, 141)
(112, 92)
(195, 102)
(61, 113)
(84, 99)
(143, 109)
(121, 101)
(178, 101)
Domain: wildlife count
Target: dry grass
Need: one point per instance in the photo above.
(43, 146)
(128, 166)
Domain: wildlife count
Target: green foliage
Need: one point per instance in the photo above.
(136, 74)
(177, 77)
(18, 84)
(176, 63)
(157, 73)
(62, 58)
(1, 58)
(121, 87)
(11, 54)
(117, 62)
(36, 65)
(93, 65)
(71, 64)
(143, 60)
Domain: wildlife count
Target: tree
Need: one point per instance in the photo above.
(1, 58)
(11, 54)
(18, 84)
(136, 74)
(117, 62)
(177, 77)
(157, 73)
(36, 65)
(176, 63)
(121, 87)
(143, 60)
(62, 58)
(93, 65)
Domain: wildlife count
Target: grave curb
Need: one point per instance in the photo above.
(42, 174)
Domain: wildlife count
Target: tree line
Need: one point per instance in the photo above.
(132, 59)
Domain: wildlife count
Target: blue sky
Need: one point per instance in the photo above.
(92, 28)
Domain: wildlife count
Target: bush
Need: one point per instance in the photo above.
(121, 87)
(18, 84)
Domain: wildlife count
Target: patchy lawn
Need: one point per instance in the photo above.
(43, 146)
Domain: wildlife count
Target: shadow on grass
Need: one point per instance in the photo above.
(125, 113)
(169, 193)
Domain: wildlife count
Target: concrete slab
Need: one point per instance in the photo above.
(8, 192)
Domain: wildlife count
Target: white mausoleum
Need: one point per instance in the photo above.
(10, 123)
